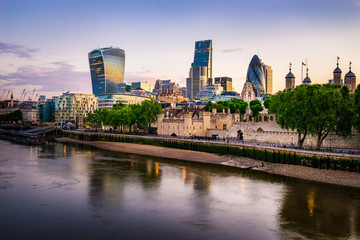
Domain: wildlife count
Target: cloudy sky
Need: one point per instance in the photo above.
(44, 43)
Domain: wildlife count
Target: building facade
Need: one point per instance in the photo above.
(201, 69)
(209, 92)
(108, 100)
(69, 107)
(268, 74)
(226, 83)
(107, 66)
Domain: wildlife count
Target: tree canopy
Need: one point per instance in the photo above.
(235, 104)
(256, 108)
(316, 109)
(126, 115)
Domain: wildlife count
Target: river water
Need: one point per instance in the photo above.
(62, 191)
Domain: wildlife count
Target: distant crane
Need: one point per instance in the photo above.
(7, 95)
(30, 98)
(2, 94)
(22, 95)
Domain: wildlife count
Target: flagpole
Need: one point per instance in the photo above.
(302, 70)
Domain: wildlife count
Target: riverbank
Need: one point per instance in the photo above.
(343, 178)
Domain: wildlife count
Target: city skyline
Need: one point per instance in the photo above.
(44, 45)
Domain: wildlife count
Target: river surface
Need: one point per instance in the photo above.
(63, 191)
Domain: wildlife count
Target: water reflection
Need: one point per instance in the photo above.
(141, 197)
(328, 211)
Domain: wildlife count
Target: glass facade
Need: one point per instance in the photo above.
(107, 67)
(256, 76)
(203, 56)
(268, 79)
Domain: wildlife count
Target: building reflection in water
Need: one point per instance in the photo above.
(323, 212)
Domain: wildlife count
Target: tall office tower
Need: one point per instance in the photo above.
(337, 74)
(290, 79)
(107, 69)
(201, 68)
(350, 80)
(268, 74)
(189, 89)
(225, 82)
(256, 76)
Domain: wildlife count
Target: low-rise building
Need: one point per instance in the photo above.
(108, 100)
(70, 106)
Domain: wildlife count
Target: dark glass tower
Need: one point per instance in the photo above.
(107, 69)
(256, 76)
(201, 68)
(203, 56)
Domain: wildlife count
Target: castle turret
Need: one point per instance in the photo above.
(337, 73)
(350, 80)
(290, 79)
(307, 80)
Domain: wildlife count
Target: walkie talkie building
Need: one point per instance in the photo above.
(107, 67)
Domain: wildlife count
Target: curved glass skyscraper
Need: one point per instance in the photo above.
(107, 69)
(256, 76)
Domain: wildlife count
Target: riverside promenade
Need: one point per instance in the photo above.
(344, 178)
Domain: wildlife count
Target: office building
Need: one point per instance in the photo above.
(226, 83)
(107, 67)
(268, 75)
(201, 69)
(108, 100)
(124, 88)
(70, 107)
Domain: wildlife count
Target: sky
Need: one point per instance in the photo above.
(44, 43)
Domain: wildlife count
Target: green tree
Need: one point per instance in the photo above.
(291, 109)
(346, 113)
(256, 108)
(241, 105)
(209, 106)
(149, 111)
(356, 106)
(314, 109)
(267, 103)
(135, 114)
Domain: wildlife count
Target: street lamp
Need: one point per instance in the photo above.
(292, 138)
(311, 144)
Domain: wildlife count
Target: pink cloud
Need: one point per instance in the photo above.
(54, 77)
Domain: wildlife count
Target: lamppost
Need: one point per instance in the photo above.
(292, 138)
(311, 144)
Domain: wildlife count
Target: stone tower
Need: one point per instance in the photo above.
(290, 79)
(337, 73)
(350, 80)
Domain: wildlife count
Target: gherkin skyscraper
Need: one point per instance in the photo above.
(256, 76)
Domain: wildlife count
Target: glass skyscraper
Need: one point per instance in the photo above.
(107, 69)
(256, 76)
(203, 56)
(201, 68)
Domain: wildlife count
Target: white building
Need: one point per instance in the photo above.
(71, 106)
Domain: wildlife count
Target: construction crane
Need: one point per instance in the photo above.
(2, 94)
(30, 98)
(22, 95)
(7, 95)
